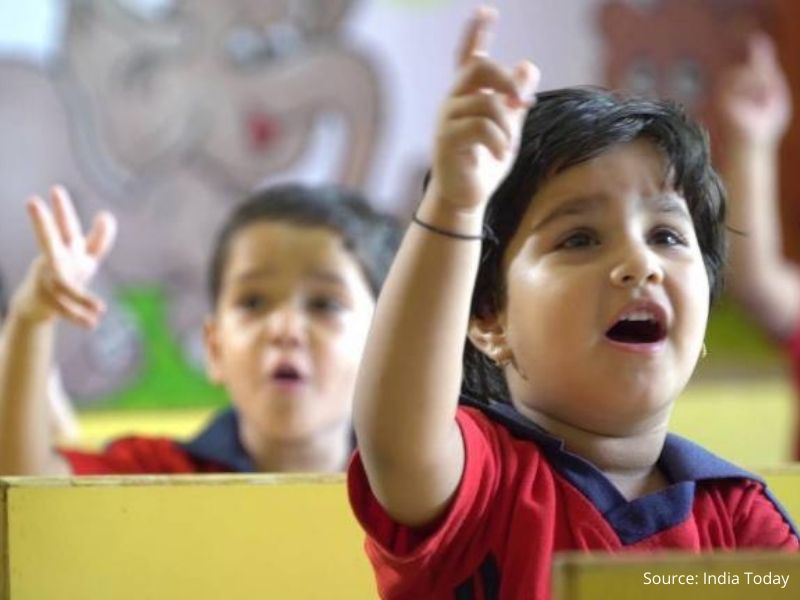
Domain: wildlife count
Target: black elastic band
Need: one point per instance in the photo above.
(444, 232)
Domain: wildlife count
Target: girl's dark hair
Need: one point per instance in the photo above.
(567, 127)
(371, 237)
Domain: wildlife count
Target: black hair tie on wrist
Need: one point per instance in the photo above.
(444, 232)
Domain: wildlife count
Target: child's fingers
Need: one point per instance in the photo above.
(45, 228)
(476, 38)
(526, 75)
(65, 307)
(489, 106)
(65, 216)
(483, 74)
(466, 133)
(82, 298)
(102, 234)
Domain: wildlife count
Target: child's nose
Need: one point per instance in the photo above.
(637, 267)
(285, 326)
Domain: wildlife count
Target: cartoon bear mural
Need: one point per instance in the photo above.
(677, 48)
(168, 112)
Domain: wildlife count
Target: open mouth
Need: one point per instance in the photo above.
(640, 326)
(288, 375)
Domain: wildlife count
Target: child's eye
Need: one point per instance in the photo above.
(667, 237)
(252, 302)
(325, 304)
(579, 239)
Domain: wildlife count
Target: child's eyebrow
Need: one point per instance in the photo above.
(667, 203)
(317, 275)
(254, 274)
(575, 206)
(671, 204)
(326, 276)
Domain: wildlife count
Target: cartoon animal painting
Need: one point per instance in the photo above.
(167, 113)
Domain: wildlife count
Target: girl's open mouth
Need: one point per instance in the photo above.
(640, 330)
(640, 327)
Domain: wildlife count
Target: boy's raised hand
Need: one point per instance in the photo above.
(480, 121)
(56, 284)
(754, 97)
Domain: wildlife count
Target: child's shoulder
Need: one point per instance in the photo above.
(721, 485)
(684, 460)
(505, 442)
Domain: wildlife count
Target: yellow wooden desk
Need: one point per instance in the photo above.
(175, 538)
(745, 576)
(199, 537)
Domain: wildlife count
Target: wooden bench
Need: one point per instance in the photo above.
(716, 415)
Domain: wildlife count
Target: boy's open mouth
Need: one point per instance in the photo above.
(287, 374)
(638, 326)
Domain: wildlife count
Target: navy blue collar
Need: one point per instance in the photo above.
(219, 443)
(684, 463)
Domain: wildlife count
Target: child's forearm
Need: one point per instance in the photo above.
(410, 376)
(761, 278)
(26, 350)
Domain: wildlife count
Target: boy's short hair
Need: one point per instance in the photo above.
(371, 237)
(567, 127)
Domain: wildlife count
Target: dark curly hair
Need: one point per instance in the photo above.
(567, 127)
(371, 237)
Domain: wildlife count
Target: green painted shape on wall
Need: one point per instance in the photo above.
(166, 379)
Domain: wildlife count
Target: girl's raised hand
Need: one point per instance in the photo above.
(57, 282)
(480, 122)
(754, 97)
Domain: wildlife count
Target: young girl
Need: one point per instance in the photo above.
(293, 281)
(756, 105)
(581, 262)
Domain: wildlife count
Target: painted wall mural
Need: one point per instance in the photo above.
(167, 113)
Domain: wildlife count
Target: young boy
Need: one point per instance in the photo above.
(756, 106)
(293, 281)
(584, 285)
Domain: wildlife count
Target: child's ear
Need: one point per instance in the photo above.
(489, 336)
(214, 370)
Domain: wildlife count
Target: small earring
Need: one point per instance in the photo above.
(704, 351)
(501, 363)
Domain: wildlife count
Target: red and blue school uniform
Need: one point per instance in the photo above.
(217, 449)
(523, 497)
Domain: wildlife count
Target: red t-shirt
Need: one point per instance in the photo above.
(523, 498)
(216, 450)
